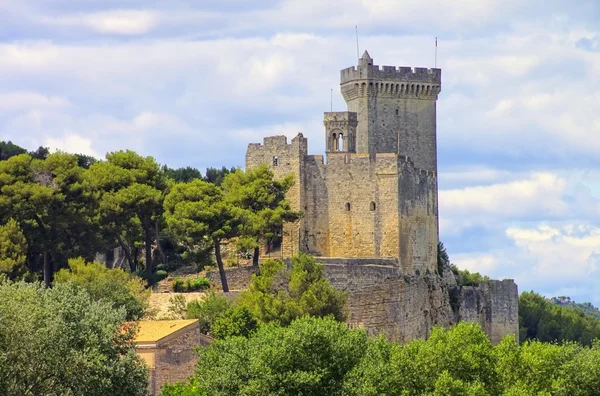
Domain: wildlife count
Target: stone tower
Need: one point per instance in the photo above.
(396, 109)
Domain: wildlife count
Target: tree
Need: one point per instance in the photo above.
(182, 175)
(262, 198)
(9, 149)
(208, 311)
(311, 357)
(236, 321)
(216, 176)
(41, 153)
(130, 190)
(197, 215)
(280, 295)
(540, 319)
(115, 286)
(59, 341)
(13, 249)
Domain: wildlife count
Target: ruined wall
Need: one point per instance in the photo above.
(362, 205)
(284, 159)
(494, 305)
(418, 208)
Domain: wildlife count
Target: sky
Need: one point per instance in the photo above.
(191, 83)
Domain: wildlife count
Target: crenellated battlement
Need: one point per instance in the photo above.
(391, 73)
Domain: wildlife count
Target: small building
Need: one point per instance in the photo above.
(168, 348)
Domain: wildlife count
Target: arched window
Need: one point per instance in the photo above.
(340, 142)
(347, 206)
(372, 206)
(334, 143)
(275, 160)
(396, 111)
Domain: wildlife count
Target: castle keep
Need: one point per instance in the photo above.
(374, 194)
(370, 208)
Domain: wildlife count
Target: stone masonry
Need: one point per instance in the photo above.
(373, 198)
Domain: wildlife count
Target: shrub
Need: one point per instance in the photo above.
(61, 341)
(198, 284)
(236, 321)
(120, 288)
(189, 285)
(208, 311)
(179, 286)
(160, 275)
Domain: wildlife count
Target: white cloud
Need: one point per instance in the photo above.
(71, 143)
(23, 100)
(121, 22)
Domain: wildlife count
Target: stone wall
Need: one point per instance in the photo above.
(382, 299)
(175, 358)
(284, 159)
(494, 305)
(418, 208)
(238, 278)
(362, 205)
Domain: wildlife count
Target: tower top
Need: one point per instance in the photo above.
(367, 70)
(366, 59)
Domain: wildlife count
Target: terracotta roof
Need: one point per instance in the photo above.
(156, 330)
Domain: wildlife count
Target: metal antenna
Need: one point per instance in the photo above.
(435, 64)
(331, 103)
(357, 52)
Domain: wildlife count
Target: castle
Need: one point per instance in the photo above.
(374, 195)
(370, 207)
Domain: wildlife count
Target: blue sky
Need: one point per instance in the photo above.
(193, 82)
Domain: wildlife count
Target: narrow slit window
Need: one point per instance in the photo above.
(275, 160)
(372, 206)
(347, 206)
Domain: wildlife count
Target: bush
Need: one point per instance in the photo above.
(120, 288)
(198, 284)
(189, 285)
(280, 295)
(236, 321)
(208, 311)
(160, 275)
(61, 341)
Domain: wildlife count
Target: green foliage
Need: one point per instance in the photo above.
(41, 153)
(280, 295)
(443, 260)
(215, 176)
(261, 198)
(311, 357)
(13, 248)
(160, 275)
(466, 278)
(542, 320)
(182, 175)
(9, 149)
(319, 356)
(198, 216)
(236, 321)
(129, 189)
(208, 311)
(114, 286)
(60, 341)
(586, 307)
(190, 285)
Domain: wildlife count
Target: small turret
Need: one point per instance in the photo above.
(340, 131)
(366, 60)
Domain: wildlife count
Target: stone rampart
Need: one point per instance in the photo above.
(382, 299)
(494, 305)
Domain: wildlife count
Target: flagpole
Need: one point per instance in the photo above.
(357, 52)
(435, 63)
